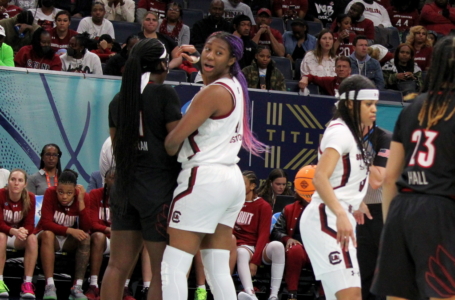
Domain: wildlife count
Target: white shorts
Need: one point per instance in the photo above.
(207, 196)
(252, 249)
(61, 239)
(108, 246)
(336, 268)
(10, 242)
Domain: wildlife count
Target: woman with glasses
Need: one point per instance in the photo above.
(64, 223)
(172, 25)
(49, 170)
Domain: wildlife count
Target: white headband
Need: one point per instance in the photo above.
(362, 95)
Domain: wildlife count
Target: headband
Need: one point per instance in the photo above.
(367, 94)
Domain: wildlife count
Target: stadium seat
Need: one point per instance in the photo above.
(391, 95)
(203, 5)
(314, 89)
(424, 74)
(278, 24)
(404, 35)
(394, 38)
(124, 29)
(177, 75)
(193, 76)
(297, 64)
(74, 23)
(292, 86)
(191, 16)
(314, 28)
(284, 65)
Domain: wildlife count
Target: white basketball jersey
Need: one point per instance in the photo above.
(218, 139)
(350, 177)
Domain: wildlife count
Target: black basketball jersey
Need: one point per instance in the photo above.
(429, 154)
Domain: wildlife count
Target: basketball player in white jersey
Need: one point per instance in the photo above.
(341, 181)
(211, 189)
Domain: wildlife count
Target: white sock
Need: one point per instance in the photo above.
(243, 269)
(216, 266)
(1, 277)
(127, 282)
(174, 267)
(50, 281)
(146, 284)
(28, 279)
(94, 280)
(79, 282)
(275, 252)
(202, 287)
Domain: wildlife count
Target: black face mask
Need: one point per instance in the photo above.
(45, 49)
(70, 52)
(47, 3)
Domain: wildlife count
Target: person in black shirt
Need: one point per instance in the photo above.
(140, 117)
(242, 28)
(417, 253)
(116, 64)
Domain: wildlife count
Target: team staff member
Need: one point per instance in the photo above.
(416, 257)
(341, 180)
(212, 131)
(50, 168)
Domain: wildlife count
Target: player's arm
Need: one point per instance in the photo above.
(395, 165)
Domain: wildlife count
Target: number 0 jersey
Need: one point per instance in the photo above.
(218, 139)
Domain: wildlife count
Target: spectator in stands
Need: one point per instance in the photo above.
(233, 8)
(6, 53)
(23, 4)
(418, 39)
(172, 25)
(276, 184)
(290, 9)
(19, 30)
(380, 53)
(115, 64)
(8, 10)
(77, 8)
(45, 14)
(359, 24)
(156, 6)
(438, 16)
(374, 12)
(252, 230)
(96, 25)
(330, 84)
(119, 10)
(104, 51)
(321, 61)
(343, 36)
(16, 229)
(363, 64)
(298, 41)
(325, 11)
(432, 37)
(79, 59)
(95, 181)
(404, 14)
(242, 27)
(263, 34)
(202, 29)
(39, 55)
(262, 73)
(402, 73)
(64, 223)
(4, 175)
(49, 170)
(61, 34)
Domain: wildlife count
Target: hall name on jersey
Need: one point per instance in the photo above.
(417, 178)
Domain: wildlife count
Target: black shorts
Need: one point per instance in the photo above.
(417, 250)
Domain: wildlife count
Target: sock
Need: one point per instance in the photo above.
(146, 284)
(275, 252)
(216, 265)
(243, 269)
(127, 282)
(50, 281)
(94, 280)
(28, 279)
(174, 266)
(1, 277)
(201, 287)
(79, 282)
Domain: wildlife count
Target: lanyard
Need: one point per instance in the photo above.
(49, 181)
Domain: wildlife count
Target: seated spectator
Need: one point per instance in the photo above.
(145, 6)
(4, 175)
(321, 61)
(363, 64)
(401, 73)
(233, 8)
(290, 10)
(330, 84)
(116, 63)
(96, 25)
(418, 39)
(95, 181)
(19, 30)
(23, 4)
(104, 51)
(39, 55)
(380, 53)
(17, 223)
(49, 170)
(438, 16)
(325, 11)
(61, 34)
(404, 14)
(432, 37)
(202, 29)
(298, 41)
(172, 25)
(8, 10)
(374, 12)
(119, 10)
(359, 24)
(6, 53)
(263, 34)
(45, 14)
(242, 28)
(343, 36)
(64, 223)
(252, 230)
(276, 184)
(77, 8)
(385, 3)
(79, 59)
(262, 73)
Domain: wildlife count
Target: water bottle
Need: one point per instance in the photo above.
(20, 34)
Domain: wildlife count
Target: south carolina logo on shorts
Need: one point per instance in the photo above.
(335, 257)
(176, 216)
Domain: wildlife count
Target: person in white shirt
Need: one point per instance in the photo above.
(96, 25)
(106, 158)
(374, 12)
(78, 59)
(119, 10)
(4, 174)
(45, 15)
(233, 8)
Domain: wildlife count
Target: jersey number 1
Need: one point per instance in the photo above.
(423, 159)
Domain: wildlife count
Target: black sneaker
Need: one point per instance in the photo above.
(144, 293)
